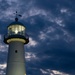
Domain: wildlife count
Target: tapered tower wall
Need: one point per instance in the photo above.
(16, 58)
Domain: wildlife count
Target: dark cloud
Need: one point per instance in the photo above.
(52, 5)
(57, 56)
(3, 5)
(71, 27)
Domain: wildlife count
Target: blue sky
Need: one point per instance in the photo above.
(51, 28)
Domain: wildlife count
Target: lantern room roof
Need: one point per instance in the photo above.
(16, 23)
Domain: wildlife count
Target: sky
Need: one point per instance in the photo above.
(50, 25)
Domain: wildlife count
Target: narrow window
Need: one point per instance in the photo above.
(15, 51)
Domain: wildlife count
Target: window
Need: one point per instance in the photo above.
(16, 29)
(16, 51)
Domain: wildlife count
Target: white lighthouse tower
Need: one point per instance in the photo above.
(16, 38)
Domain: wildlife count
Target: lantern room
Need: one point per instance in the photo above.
(16, 30)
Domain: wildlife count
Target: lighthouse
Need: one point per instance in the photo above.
(16, 37)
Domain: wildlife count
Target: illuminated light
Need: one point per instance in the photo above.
(16, 31)
(16, 39)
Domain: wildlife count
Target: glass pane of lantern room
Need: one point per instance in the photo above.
(19, 29)
(16, 29)
(23, 30)
(10, 30)
(13, 29)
